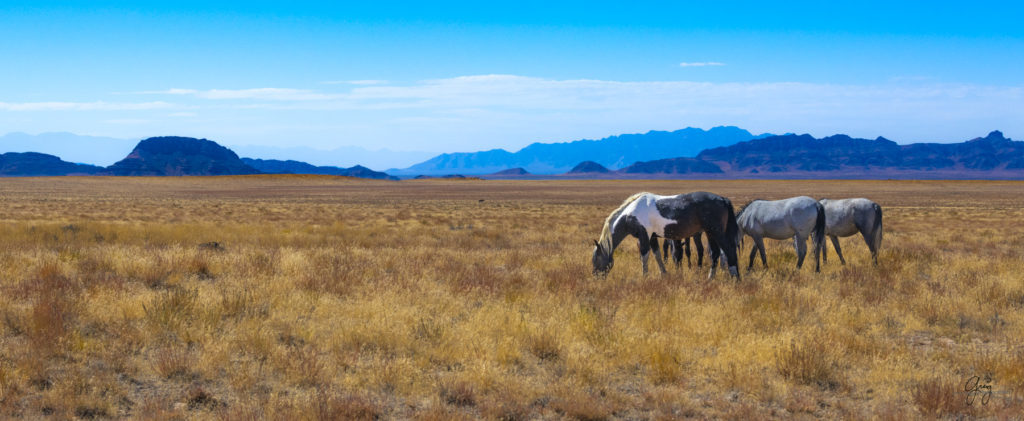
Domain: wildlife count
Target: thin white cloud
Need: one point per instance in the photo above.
(129, 121)
(271, 94)
(274, 94)
(355, 82)
(83, 106)
(173, 91)
(700, 64)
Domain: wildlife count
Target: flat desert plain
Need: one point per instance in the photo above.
(307, 297)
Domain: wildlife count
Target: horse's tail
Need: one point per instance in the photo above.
(876, 232)
(732, 229)
(819, 228)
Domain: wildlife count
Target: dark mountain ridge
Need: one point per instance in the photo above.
(843, 154)
(275, 166)
(840, 156)
(173, 155)
(28, 164)
(588, 167)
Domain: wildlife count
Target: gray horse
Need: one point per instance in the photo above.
(796, 218)
(847, 217)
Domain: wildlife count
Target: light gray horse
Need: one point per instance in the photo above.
(796, 218)
(846, 217)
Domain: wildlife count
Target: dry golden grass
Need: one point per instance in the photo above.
(330, 298)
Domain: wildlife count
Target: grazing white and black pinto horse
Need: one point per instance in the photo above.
(648, 216)
(796, 218)
(846, 217)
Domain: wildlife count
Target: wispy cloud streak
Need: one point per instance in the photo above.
(83, 106)
(700, 64)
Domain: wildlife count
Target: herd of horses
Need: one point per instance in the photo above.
(678, 219)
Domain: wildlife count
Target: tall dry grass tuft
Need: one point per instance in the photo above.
(53, 311)
(812, 361)
(334, 405)
(335, 273)
(172, 309)
(941, 397)
(458, 393)
(583, 406)
(174, 363)
(544, 345)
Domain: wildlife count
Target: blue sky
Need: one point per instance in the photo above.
(462, 76)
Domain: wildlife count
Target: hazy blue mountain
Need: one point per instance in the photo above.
(173, 155)
(611, 152)
(38, 164)
(345, 156)
(276, 166)
(69, 146)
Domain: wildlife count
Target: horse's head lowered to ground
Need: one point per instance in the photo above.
(602, 259)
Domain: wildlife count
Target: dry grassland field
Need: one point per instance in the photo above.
(333, 298)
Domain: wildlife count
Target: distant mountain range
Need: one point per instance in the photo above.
(840, 156)
(555, 158)
(103, 151)
(992, 156)
(786, 156)
(171, 156)
(276, 166)
(343, 156)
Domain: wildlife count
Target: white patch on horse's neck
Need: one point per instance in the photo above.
(609, 223)
(645, 209)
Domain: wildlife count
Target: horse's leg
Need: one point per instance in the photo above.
(871, 246)
(657, 256)
(715, 250)
(753, 254)
(699, 244)
(824, 252)
(759, 245)
(801, 249)
(644, 244)
(839, 251)
(686, 249)
(817, 253)
(724, 250)
(677, 253)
